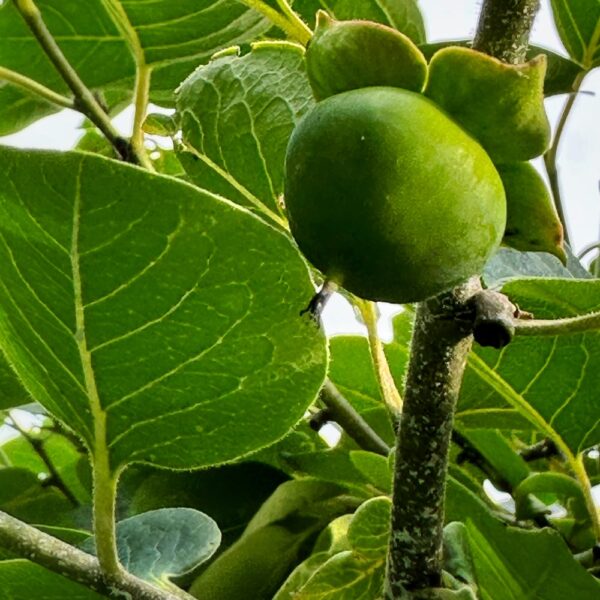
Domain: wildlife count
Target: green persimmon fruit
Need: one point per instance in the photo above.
(389, 197)
(346, 55)
(532, 223)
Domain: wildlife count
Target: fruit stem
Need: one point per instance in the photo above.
(550, 158)
(387, 385)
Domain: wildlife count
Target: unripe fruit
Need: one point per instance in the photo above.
(389, 197)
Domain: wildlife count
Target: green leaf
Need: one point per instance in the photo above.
(304, 497)
(404, 16)
(512, 564)
(501, 105)
(370, 528)
(496, 450)
(173, 38)
(578, 24)
(532, 223)
(457, 554)
(350, 574)
(347, 55)
(331, 464)
(300, 575)
(512, 264)
(238, 131)
(12, 392)
(230, 494)
(64, 456)
(557, 485)
(548, 380)
(561, 72)
(141, 302)
(375, 468)
(345, 576)
(258, 563)
(23, 496)
(24, 580)
(165, 543)
(352, 372)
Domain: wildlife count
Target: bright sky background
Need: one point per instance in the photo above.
(579, 154)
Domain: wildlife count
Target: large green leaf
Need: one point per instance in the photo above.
(159, 322)
(165, 543)
(237, 114)
(12, 392)
(552, 380)
(174, 37)
(578, 24)
(24, 580)
(512, 564)
(404, 15)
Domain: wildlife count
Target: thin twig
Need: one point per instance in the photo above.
(343, 413)
(66, 560)
(570, 325)
(143, 74)
(385, 380)
(85, 100)
(37, 445)
(36, 88)
(550, 158)
(545, 448)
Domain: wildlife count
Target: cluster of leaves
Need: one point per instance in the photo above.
(155, 318)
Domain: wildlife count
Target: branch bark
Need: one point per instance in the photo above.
(440, 346)
(68, 561)
(441, 342)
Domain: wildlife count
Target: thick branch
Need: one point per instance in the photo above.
(504, 28)
(440, 345)
(57, 556)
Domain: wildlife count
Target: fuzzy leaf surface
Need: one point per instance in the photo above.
(237, 114)
(161, 310)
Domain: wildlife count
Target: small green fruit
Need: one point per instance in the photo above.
(389, 197)
(347, 55)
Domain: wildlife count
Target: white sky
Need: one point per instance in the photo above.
(579, 154)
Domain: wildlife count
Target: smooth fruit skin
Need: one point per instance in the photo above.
(389, 197)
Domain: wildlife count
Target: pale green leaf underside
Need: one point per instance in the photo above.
(558, 376)
(165, 543)
(166, 308)
(175, 37)
(578, 24)
(238, 113)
